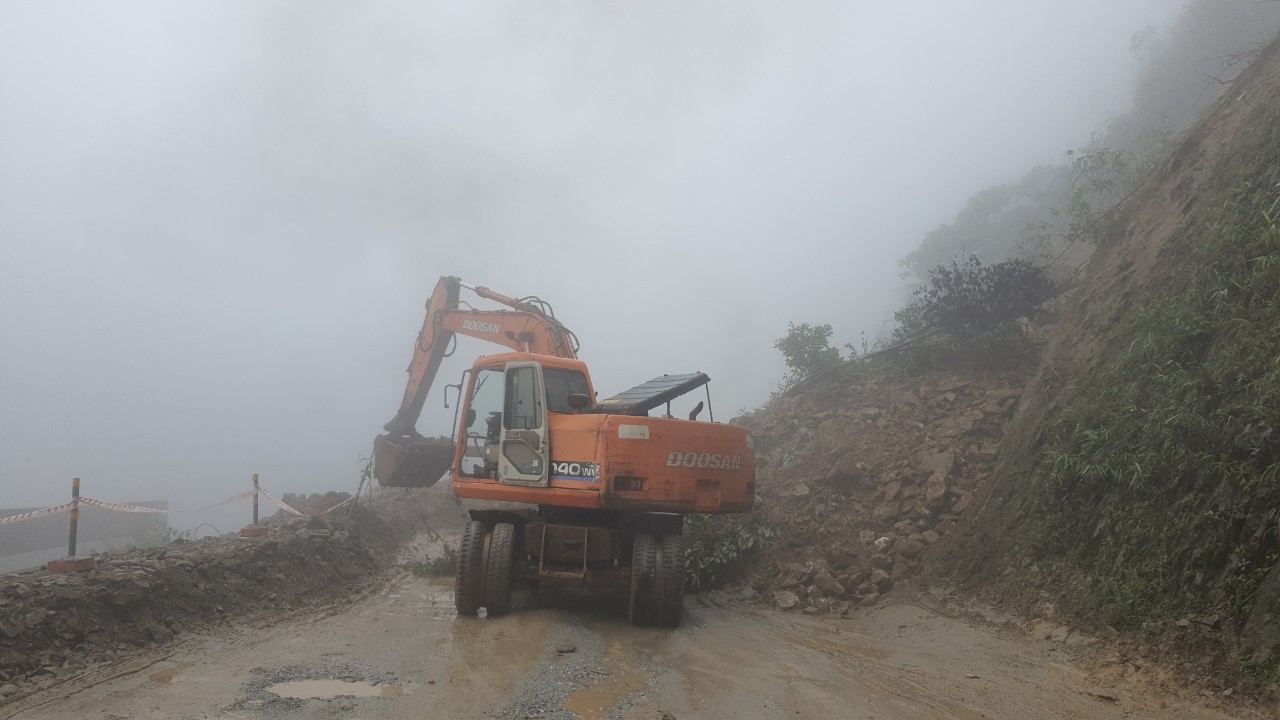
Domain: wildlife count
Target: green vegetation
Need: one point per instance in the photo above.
(1163, 465)
(806, 349)
(442, 565)
(970, 313)
(719, 547)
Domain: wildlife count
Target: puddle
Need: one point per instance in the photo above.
(166, 676)
(328, 689)
(619, 680)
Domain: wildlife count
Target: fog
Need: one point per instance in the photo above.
(219, 221)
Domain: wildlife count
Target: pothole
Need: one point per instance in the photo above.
(329, 689)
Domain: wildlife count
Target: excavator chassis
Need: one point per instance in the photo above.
(641, 553)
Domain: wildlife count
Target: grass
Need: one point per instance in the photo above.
(1163, 465)
(442, 565)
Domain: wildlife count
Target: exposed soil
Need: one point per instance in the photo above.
(54, 626)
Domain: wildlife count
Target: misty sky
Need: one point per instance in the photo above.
(219, 221)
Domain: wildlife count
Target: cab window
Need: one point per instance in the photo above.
(524, 406)
(560, 385)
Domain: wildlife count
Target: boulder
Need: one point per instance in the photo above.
(786, 600)
(828, 584)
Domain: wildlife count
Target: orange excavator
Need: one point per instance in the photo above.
(605, 485)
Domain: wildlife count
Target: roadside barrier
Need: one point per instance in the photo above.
(42, 512)
(73, 507)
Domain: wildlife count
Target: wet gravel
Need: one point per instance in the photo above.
(557, 676)
(563, 673)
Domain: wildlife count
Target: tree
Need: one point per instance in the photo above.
(807, 349)
(967, 298)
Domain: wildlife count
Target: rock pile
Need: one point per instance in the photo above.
(860, 478)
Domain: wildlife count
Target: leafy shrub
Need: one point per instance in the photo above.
(968, 298)
(807, 349)
(718, 548)
(441, 566)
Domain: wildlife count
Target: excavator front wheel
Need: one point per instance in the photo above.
(497, 585)
(468, 589)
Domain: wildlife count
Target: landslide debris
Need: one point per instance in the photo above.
(55, 626)
(859, 477)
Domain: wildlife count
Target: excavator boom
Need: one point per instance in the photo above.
(402, 457)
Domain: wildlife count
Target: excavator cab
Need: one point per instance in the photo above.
(505, 433)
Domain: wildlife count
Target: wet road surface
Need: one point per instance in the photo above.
(402, 652)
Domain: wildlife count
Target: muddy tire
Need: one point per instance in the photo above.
(497, 586)
(670, 590)
(468, 588)
(642, 608)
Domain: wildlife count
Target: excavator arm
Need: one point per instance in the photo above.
(402, 457)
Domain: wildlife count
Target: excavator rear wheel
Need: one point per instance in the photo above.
(498, 568)
(670, 588)
(468, 589)
(642, 607)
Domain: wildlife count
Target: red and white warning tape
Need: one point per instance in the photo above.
(64, 507)
(289, 509)
(121, 507)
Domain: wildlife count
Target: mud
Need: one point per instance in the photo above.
(896, 662)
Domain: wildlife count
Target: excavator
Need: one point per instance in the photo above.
(602, 485)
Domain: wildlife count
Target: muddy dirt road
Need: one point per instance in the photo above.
(400, 652)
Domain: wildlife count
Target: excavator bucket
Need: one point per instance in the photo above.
(411, 461)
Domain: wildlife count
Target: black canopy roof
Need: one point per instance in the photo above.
(646, 396)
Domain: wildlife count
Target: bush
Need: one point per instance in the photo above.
(807, 349)
(718, 548)
(968, 299)
(442, 566)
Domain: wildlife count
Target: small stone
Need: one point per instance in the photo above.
(881, 580)
(936, 489)
(566, 648)
(786, 600)
(8, 689)
(801, 490)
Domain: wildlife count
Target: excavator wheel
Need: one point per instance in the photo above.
(642, 608)
(670, 589)
(468, 589)
(498, 568)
